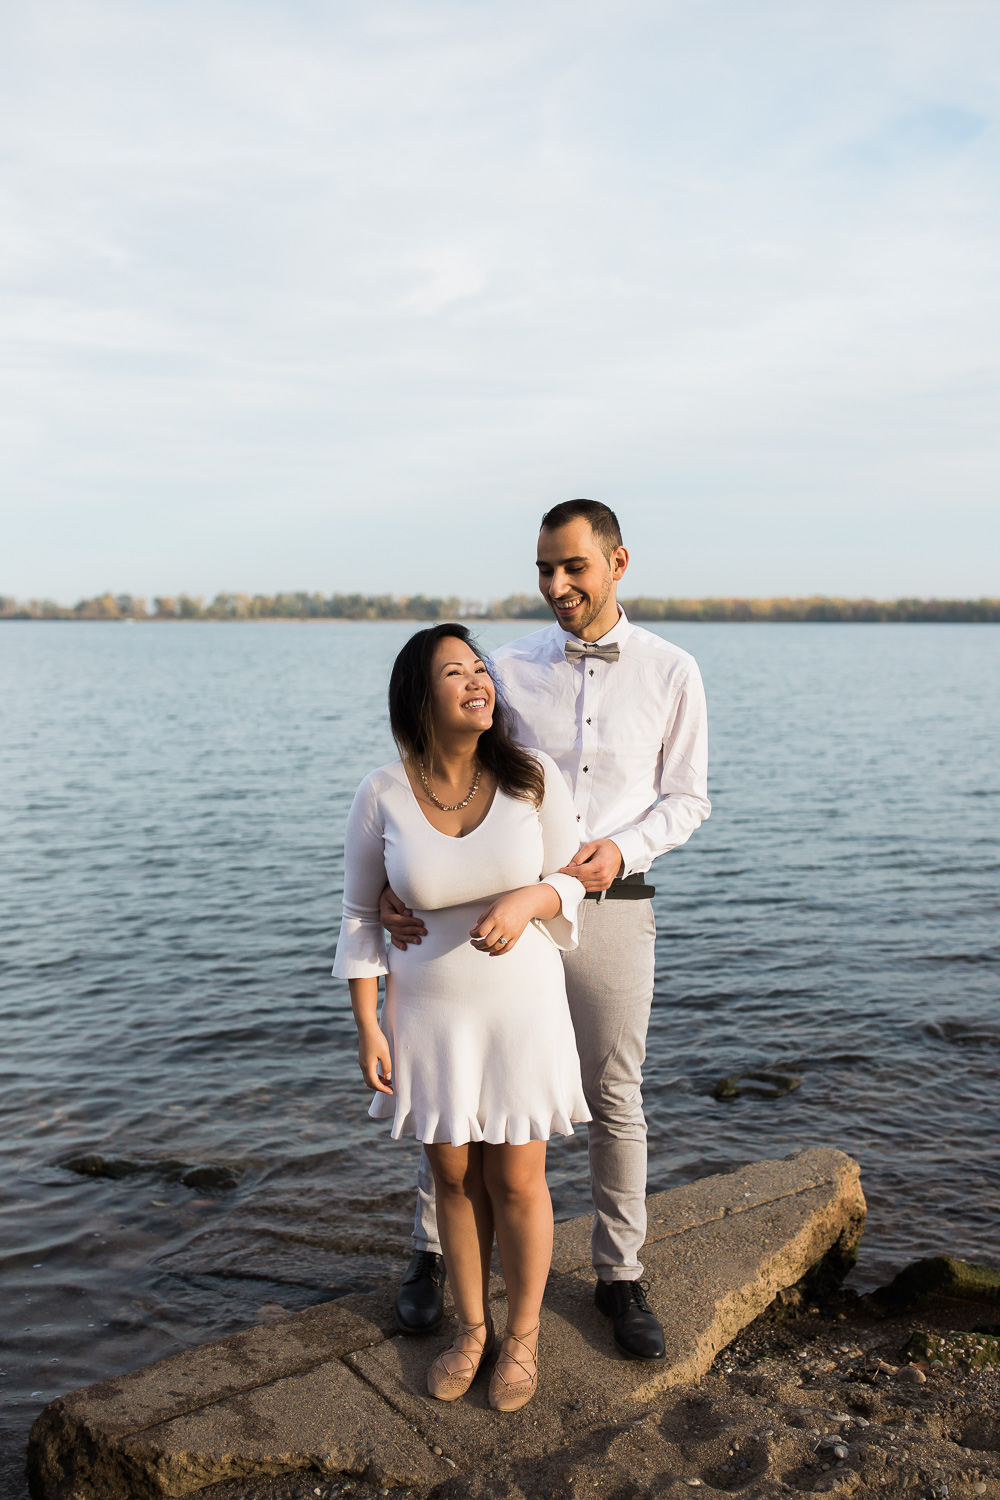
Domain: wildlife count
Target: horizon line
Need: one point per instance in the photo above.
(303, 606)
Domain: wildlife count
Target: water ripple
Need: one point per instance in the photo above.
(185, 1137)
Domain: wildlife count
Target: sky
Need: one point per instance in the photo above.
(343, 296)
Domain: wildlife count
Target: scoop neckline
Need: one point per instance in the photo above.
(453, 838)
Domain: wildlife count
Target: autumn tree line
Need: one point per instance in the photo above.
(305, 606)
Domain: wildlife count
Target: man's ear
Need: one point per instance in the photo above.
(619, 562)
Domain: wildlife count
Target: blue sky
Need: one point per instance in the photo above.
(343, 296)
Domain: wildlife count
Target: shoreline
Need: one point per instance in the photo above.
(781, 1404)
(777, 1379)
(529, 622)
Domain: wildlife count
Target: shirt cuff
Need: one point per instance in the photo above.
(633, 850)
(360, 950)
(563, 928)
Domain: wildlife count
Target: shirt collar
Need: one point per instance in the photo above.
(619, 634)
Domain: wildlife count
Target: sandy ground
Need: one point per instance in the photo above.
(806, 1400)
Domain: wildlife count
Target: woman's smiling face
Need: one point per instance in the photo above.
(461, 688)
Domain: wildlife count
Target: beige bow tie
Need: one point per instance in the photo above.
(577, 650)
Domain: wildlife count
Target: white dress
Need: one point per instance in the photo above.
(482, 1048)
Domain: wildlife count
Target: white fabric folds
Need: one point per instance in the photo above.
(482, 1046)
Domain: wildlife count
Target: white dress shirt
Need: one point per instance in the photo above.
(629, 736)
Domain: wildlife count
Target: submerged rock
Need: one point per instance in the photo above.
(95, 1165)
(220, 1178)
(940, 1278)
(734, 1086)
(204, 1177)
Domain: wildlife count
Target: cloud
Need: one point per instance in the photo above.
(280, 280)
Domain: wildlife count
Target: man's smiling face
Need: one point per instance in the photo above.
(577, 581)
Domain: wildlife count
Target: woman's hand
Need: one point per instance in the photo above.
(509, 916)
(373, 1055)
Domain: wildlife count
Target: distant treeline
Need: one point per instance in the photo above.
(304, 606)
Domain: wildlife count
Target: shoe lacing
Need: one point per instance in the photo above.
(427, 1263)
(637, 1293)
(507, 1354)
(467, 1331)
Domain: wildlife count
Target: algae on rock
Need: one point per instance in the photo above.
(940, 1278)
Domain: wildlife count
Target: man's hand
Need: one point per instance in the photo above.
(398, 920)
(596, 864)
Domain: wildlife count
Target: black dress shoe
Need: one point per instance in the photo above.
(420, 1299)
(637, 1330)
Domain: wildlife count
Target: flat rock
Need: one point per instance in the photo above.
(322, 1422)
(329, 1391)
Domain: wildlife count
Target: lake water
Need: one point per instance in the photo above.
(173, 801)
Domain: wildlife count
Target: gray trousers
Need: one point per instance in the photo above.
(609, 982)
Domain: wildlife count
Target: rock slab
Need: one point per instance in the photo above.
(332, 1391)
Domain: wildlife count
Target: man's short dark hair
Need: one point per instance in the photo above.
(603, 521)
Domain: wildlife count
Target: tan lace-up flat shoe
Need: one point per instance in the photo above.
(453, 1372)
(511, 1395)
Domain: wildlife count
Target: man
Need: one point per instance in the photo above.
(623, 715)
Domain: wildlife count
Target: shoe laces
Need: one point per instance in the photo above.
(514, 1359)
(426, 1263)
(472, 1357)
(637, 1293)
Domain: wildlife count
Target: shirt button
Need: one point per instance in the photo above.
(586, 768)
(578, 817)
(588, 721)
(591, 671)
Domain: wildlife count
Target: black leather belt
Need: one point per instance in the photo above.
(625, 888)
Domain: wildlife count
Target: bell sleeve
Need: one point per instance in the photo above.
(560, 841)
(361, 952)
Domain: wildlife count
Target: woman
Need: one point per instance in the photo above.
(478, 1058)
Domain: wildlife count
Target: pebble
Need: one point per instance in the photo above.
(979, 1488)
(436, 1450)
(694, 1483)
(861, 1421)
(839, 1451)
(910, 1375)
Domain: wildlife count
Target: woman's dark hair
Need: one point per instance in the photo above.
(411, 714)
